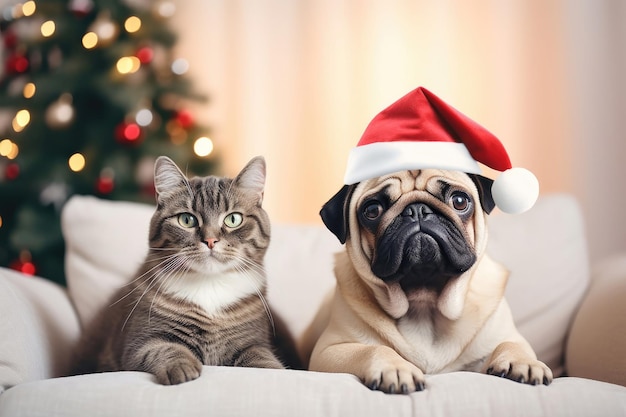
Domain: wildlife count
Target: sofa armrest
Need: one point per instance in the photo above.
(596, 347)
(38, 328)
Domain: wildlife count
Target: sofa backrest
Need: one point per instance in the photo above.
(545, 250)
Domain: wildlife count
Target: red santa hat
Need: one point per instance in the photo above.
(421, 131)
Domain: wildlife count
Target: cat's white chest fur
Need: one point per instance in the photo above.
(212, 292)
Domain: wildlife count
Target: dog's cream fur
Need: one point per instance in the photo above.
(389, 338)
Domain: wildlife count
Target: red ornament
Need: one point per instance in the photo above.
(24, 264)
(17, 63)
(105, 185)
(184, 118)
(145, 55)
(12, 171)
(27, 268)
(128, 133)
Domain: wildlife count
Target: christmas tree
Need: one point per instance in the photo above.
(90, 94)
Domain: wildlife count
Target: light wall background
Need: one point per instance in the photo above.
(298, 81)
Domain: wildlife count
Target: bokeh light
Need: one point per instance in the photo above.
(132, 24)
(90, 40)
(203, 146)
(76, 162)
(29, 90)
(47, 28)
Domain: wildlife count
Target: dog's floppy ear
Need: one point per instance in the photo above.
(335, 212)
(484, 191)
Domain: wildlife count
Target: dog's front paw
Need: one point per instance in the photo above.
(509, 364)
(394, 376)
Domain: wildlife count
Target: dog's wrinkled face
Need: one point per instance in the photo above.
(419, 229)
(419, 237)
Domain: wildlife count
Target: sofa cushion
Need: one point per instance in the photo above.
(105, 243)
(543, 248)
(227, 391)
(37, 326)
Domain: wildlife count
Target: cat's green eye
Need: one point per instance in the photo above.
(187, 220)
(233, 219)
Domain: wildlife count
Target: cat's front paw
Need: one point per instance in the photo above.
(179, 371)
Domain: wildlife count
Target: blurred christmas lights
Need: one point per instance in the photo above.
(128, 65)
(61, 112)
(166, 9)
(126, 43)
(90, 40)
(145, 55)
(203, 146)
(144, 117)
(76, 162)
(180, 66)
(5, 147)
(132, 24)
(128, 133)
(9, 149)
(28, 8)
(21, 120)
(104, 28)
(29, 90)
(47, 28)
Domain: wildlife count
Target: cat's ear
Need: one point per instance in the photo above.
(167, 177)
(252, 177)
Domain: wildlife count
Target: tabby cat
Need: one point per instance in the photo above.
(199, 297)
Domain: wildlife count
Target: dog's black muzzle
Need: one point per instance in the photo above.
(421, 248)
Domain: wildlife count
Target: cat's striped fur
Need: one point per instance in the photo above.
(199, 297)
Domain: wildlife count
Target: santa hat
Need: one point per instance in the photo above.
(421, 131)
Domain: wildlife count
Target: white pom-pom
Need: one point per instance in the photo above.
(515, 190)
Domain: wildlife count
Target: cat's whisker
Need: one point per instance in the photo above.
(177, 271)
(157, 266)
(164, 270)
(255, 266)
(256, 273)
(257, 281)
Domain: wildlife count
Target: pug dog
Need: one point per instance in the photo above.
(416, 293)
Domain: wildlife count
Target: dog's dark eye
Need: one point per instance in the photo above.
(459, 201)
(372, 210)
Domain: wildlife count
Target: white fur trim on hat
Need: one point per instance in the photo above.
(381, 158)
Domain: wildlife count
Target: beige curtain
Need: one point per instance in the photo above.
(298, 81)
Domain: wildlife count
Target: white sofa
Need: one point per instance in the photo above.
(558, 305)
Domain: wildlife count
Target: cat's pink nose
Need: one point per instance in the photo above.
(210, 242)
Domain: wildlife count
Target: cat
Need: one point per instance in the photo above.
(199, 297)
